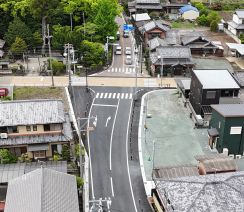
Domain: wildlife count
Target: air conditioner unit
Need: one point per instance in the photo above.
(232, 156)
(4, 135)
(238, 156)
(225, 151)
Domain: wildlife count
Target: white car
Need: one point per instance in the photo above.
(118, 50)
(128, 60)
(127, 50)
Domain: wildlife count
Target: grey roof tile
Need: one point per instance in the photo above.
(230, 110)
(42, 190)
(28, 112)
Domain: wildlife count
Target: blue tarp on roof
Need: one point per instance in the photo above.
(187, 8)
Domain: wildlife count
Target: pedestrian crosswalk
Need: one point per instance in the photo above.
(126, 70)
(114, 96)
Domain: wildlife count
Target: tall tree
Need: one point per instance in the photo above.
(18, 47)
(18, 28)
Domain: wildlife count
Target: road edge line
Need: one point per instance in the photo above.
(128, 169)
(89, 151)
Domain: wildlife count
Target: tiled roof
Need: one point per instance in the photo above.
(214, 192)
(152, 25)
(230, 110)
(216, 79)
(42, 190)
(156, 42)
(174, 52)
(148, 1)
(29, 112)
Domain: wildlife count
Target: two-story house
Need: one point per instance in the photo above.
(236, 26)
(36, 127)
(226, 128)
(144, 6)
(212, 87)
(173, 6)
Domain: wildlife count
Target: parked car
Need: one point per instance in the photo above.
(118, 35)
(128, 60)
(118, 50)
(126, 34)
(3, 92)
(127, 50)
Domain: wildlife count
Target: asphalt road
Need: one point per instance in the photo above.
(108, 143)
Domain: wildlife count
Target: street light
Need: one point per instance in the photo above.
(106, 47)
(161, 69)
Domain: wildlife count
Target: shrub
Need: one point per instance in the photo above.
(66, 152)
(203, 20)
(214, 26)
(7, 157)
(79, 182)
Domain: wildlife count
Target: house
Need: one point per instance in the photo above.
(175, 60)
(236, 26)
(36, 127)
(201, 45)
(144, 6)
(215, 192)
(173, 6)
(236, 49)
(189, 12)
(212, 87)
(42, 190)
(227, 122)
(153, 29)
(141, 19)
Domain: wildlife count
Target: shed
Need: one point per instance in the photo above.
(228, 119)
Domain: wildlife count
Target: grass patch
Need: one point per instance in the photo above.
(185, 24)
(21, 93)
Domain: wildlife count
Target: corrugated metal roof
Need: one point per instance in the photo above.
(141, 17)
(216, 79)
(213, 192)
(42, 190)
(230, 110)
(240, 13)
(28, 112)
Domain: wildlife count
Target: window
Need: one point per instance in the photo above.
(46, 127)
(210, 94)
(13, 129)
(235, 130)
(34, 127)
(28, 128)
(39, 154)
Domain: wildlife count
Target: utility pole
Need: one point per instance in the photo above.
(141, 59)
(67, 51)
(50, 55)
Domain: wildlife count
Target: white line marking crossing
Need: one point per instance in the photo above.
(101, 95)
(105, 96)
(97, 95)
(126, 96)
(114, 94)
(122, 96)
(118, 95)
(109, 96)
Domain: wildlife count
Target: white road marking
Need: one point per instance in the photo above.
(126, 96)
(88, 141)
(119, 69)
(109, 96)
(128, 169)
(42, 78)
(122, 96)
(108, 119)
(115, 70)
(108, 70)
(111, 138)
(105, 95)
(118, 95)
(130, 97)
(97, 95)
(103, 105)
(112, 188)
(95, 121)
(114, 94)
(101, 95)
(126, 69)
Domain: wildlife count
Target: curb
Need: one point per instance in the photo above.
(86, 164)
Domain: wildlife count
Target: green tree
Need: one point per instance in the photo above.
(203, 20)
(214, 26)
(66, 152)
(18, 47)
(107, 10)
(37, 39)
(93, 54)
(18, 28)
(58, 67)
(7, 157)
(213, 16)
